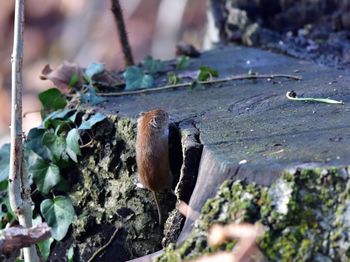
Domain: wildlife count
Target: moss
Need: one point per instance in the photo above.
(106, 196)
(305, 214)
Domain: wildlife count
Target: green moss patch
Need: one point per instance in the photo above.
(305, 214)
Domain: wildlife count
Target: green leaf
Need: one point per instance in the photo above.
(73, 148)
(251, 72)
(35, 143)
(173, 79)
(6, 213)
(91, 97)
(44, 248)
(152, 66)
(3, 185)
(59, 214)
(94, 69)
(291, 95)
(73, 80)
(183, 62)
(50, 120)
(205, 73)
(70, 254)
(93, 120)
(56, 145)
(136, 79)
(52, 99)
(45, 175)
(195, 85)
(73, 117)
(4, 162)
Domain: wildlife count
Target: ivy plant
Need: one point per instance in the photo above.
(142, 77)
(50, 149)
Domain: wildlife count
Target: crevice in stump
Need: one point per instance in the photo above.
(185, 154)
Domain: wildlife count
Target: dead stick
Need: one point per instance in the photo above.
(98, 251)
(123, 36)
(14, 238)
(220, 80)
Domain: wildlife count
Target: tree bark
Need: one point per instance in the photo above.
(123, 36)
(19, 189)
(14, 238)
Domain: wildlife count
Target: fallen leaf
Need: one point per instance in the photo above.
(62, 76)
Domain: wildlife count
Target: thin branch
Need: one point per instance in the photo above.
(101, 249)
(14, 238)
(123, 36)
(19, 188)
(89, 144)
(214, 81)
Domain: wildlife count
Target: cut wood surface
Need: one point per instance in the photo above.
(249, 129)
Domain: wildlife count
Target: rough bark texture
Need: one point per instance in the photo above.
(19, 188)
(123, 35)
(251, 136)
(14, 238)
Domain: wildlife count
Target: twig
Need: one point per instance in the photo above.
(123, 36)
(98, 251)
(19, 188)
(87, 144)
(187, 84)
(291, 95)
(14, 238)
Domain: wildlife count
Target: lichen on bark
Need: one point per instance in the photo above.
(106, 196)
(304, 212)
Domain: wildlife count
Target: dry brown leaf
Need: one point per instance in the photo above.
(62, 75)
(186, 210)
(219, 234)
(247, 234)
(218, 257)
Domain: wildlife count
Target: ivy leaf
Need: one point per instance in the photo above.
(135, 78)
(34, 142)
(173, 79)
(152, 66)
(70, 254)
(4, 162)
(73, 117)
(6, 214)
(90, 97)
(45, 175)
(59, 214)
(93, 120)
(44, 248)
(195, 85)
(183, 62)
(73, 148)
(50, 120)
(52, 99)
(205, 73)
(56, 145)
(74, 80)
(94, 69)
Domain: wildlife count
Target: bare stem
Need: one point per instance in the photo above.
(212, 81)
(123, 36)
(19, 189)
(101, 249)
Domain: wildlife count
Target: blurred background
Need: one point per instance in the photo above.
(84, 31)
